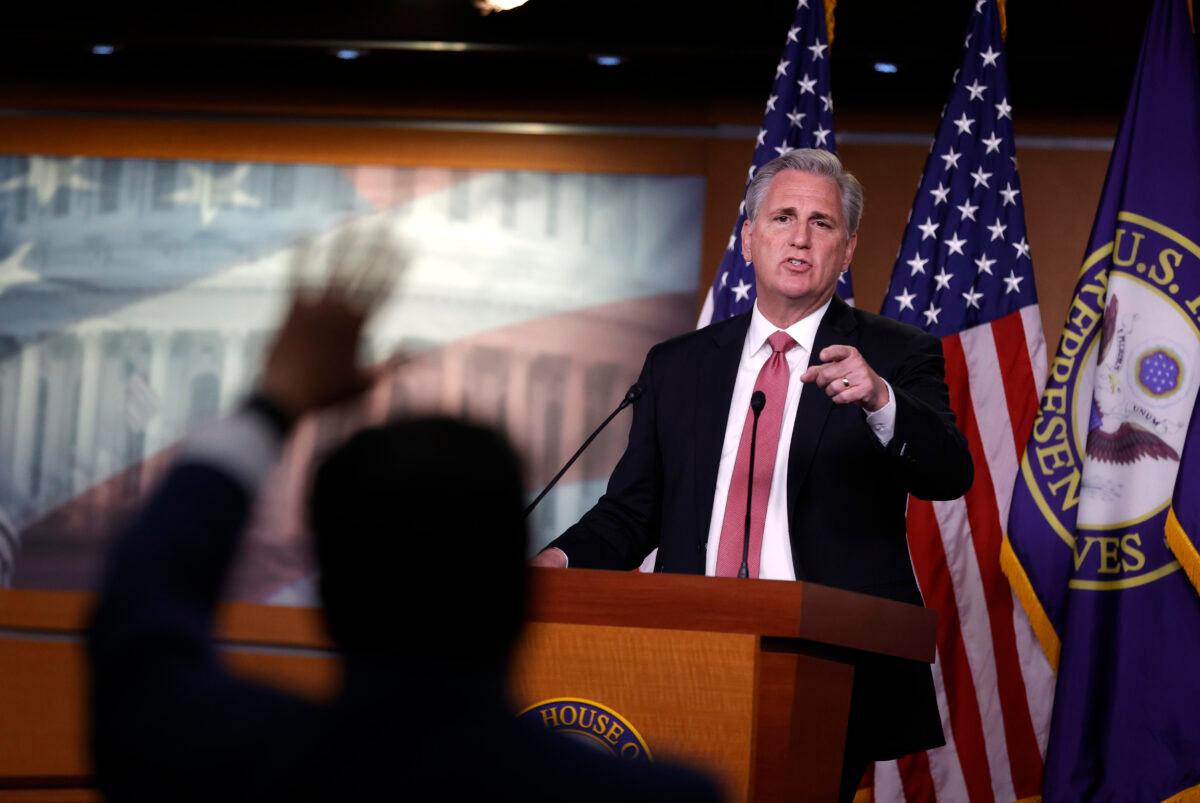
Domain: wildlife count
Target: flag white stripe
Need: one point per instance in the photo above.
(973, 619)
(945, 770)
(1039, 677)
(888, 787)
(706, 312)
(1031, 319)
(991, 412)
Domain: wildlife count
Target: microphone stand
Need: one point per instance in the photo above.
(632, 395)
(757, 402)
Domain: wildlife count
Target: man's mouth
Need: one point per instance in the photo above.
(797, 263)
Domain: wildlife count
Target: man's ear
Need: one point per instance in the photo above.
(746, 228)
(850, 246)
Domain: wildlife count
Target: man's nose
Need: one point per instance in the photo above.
(798, 236)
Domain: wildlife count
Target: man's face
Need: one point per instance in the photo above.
(798, 244)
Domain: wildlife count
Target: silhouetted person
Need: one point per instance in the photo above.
(423, 713)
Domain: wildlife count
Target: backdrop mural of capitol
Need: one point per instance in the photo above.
(137, 297)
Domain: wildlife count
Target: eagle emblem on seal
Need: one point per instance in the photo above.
(1112, 438)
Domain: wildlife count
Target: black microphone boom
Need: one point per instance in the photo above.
(757, 402)
(633, 394)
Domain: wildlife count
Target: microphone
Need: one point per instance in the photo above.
(757, 402)
(633, 394)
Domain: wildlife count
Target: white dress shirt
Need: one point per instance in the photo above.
(776, 556)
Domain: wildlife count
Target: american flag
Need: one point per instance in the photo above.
(799, 114)
(964, 273)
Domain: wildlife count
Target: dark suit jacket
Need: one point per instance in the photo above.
(170, 723)
(846, 492)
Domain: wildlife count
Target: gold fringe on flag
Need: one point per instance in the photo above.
(1192, 14)
(1004, 20)
(1021, 586)
(1184, 549)
(830, 5)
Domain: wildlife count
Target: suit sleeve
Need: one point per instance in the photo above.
(623, 526)
(165, 713)
(927, 448)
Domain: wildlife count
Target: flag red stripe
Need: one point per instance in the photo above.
(929, 561)
(917, 779)
(1020, 389)
(1025, 760)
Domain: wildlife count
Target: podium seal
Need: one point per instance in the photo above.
(592, 724)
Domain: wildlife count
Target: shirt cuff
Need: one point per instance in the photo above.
(246, 445)
(883, 420)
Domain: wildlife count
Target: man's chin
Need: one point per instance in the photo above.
(799, 290)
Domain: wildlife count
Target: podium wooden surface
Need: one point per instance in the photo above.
(43, 682)
(750, 679)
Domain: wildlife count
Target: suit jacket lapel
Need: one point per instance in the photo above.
(713, 395)
(815, 405)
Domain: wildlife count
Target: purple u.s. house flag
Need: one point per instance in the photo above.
(964, 273)
(1086, 551)
(799, 114)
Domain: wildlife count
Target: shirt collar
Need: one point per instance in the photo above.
(803, 331)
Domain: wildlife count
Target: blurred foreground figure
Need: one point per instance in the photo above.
(423, 712)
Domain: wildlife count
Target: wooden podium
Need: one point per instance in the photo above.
(749, 679)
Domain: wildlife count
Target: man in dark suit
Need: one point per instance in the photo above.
(856, 416)
(423, 712)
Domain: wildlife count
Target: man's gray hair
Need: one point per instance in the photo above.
(815, 162)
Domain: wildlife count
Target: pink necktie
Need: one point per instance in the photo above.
(773, 382)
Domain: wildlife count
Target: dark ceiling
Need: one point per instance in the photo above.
(1070, 56)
